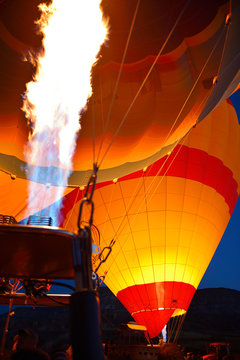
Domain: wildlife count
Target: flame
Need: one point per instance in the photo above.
(73, 32)
(164, 333)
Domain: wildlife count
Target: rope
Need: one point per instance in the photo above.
(54, 300)
(179, 328)
(93, 125)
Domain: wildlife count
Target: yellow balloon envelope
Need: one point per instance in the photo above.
(167, 220)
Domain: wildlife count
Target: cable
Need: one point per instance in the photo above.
(54, 300)
(57, 283)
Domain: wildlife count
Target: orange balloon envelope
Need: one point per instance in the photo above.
(181, 60)
(167, 220)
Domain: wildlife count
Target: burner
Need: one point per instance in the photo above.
(40, 220)
(7, 219)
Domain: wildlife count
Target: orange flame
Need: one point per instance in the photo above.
(73, 32)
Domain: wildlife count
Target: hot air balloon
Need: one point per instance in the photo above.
(164, 67)
(166, 220)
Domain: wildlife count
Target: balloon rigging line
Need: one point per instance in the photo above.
(110, 220)
(149, 236)
(93, 126)
(102, 112)
(227, 34)
(178, 237)
(170, 327)
(48, 296)
(135, 252)
(172, 324)
(118, 78)
(107, 208)
(145, 79)
(7, 172)
(179, 328)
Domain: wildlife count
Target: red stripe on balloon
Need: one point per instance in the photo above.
(184, 162)
(197, 165)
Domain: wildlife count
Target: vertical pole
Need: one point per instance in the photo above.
(5, 331)
(85, 332)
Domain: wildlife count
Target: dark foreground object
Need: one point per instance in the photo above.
(84, 320)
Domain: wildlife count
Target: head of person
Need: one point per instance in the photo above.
(25, 339)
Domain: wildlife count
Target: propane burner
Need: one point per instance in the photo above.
(7, 219)
(40, 220)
